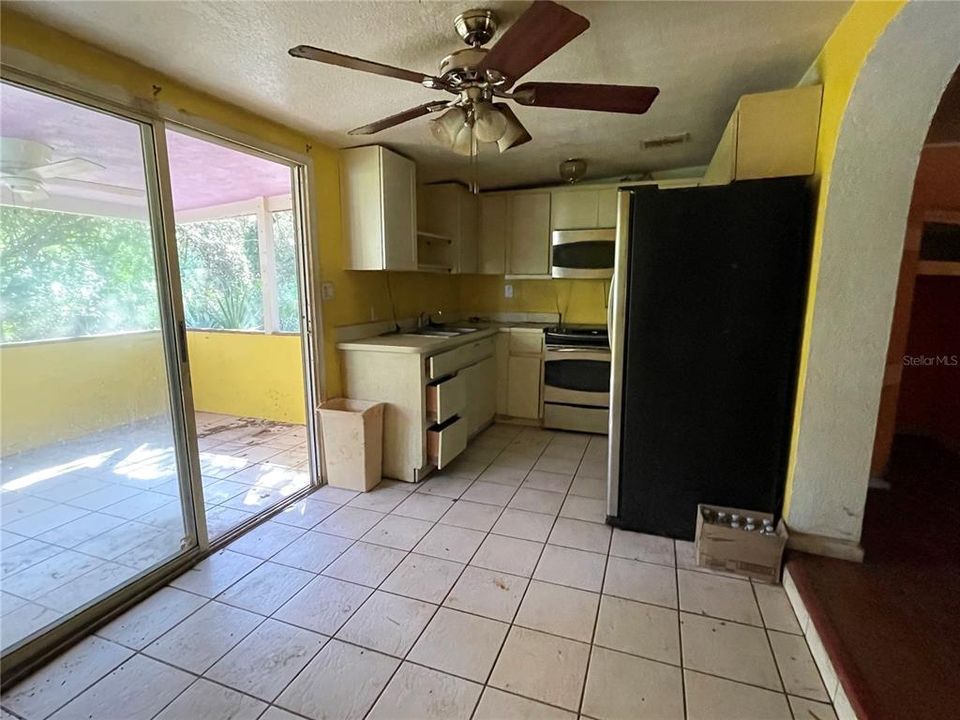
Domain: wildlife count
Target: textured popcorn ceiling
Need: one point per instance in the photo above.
(703, 56)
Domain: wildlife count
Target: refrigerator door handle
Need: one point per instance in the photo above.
(616, 331)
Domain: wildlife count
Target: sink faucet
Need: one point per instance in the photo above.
(425, 319)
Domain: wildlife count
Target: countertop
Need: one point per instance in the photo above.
(428, 345)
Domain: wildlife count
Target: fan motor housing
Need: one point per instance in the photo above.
(460, 68)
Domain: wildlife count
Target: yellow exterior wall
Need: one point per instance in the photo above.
(248, 374)
(61, 389)
(837, 66)
(579, 301)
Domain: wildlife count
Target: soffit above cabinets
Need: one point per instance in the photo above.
(702, 55)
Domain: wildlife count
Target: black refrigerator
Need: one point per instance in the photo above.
(706, 316)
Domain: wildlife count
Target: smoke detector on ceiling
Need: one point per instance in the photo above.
(665, 140)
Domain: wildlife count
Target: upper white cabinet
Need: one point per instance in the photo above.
(772, 134)
(494, 214)
(378, 204)
(528, 246)
(583, 209)
(447, 218)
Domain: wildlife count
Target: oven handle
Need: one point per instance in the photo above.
(598, 355)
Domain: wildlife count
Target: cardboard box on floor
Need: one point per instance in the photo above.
(721, 547)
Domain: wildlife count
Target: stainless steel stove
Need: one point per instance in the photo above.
(576, 378)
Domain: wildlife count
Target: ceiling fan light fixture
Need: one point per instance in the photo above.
(489, 123)
(448, 126)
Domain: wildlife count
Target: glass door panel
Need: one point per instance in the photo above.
(237, 244)
(90, 473)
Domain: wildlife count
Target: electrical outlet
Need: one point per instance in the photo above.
(508, 291)
(327, 291)
(373, 314)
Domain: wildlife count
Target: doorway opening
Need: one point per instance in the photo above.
(239, 256)
(887, 622)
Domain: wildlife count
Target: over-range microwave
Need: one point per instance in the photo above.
(584, 253)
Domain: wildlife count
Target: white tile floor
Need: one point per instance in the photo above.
(491, 591)
(91, 513)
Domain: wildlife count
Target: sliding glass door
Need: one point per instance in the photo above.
(96, 486)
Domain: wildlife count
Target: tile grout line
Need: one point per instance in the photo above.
(526, 588)
(450, 589)
(596, 621)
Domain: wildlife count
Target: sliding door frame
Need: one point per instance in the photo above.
(37, 75)
(311, 318)
(75, 625)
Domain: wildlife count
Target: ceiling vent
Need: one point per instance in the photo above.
(665, 140)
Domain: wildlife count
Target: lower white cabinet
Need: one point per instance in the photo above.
(480, 382)
(519, 374)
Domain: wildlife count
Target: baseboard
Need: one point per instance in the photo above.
(825, 545)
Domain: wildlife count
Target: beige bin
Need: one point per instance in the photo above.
(352, 442)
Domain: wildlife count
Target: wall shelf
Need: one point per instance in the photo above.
(938, 267)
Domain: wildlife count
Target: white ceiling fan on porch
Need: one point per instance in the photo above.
(27, 171)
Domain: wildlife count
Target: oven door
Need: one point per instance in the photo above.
(577, 376)
(583, 253)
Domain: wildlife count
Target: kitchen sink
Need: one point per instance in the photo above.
(430, 332)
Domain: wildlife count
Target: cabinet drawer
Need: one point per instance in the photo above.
(445, 442)
(446, 398)
(449, 362)
(526, 343)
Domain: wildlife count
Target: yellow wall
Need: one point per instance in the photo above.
(248, 374)
(579, 301)
(62, 389)
(837, 65)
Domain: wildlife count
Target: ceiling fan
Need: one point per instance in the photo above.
(477, 76)
(26, 170)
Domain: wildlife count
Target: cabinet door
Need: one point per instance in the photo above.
(485, 404)
(503, 372)
(469, 246)
(494, 210)
(607, 208)
(523, 399)
(529, 247)
(574, 209)
(399, 197)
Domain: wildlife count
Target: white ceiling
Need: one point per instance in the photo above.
(702, 55)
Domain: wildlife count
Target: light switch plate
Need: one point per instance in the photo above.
(327, 291)
(508, 291)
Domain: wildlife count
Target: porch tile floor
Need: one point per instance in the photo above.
(80, 518)
(410, 602)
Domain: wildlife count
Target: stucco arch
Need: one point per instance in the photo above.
(868, 197)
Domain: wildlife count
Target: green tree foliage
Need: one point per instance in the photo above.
(286, 263)
(68, 275)
(65, 275)
(220, 273)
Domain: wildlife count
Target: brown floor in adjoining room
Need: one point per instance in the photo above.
(492, 590)
(892, 623)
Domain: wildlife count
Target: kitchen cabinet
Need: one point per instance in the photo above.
(480, 381)
(583, 209)
(447, 223)
(528, 242)
(378, 208)
(771, 134)
(492, 234)
(520, 373)
(434, 398)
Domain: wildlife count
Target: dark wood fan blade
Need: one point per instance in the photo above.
(353, 63)
(543, 29)
(632, 99)
(516, 133)
(402, 117)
